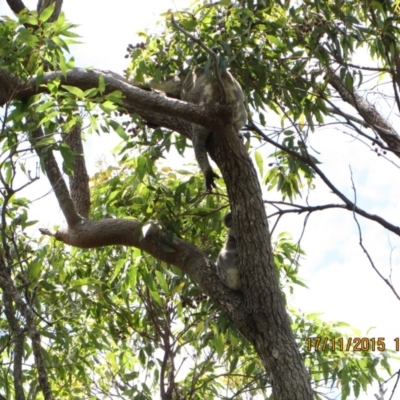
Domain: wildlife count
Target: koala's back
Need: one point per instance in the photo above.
(228, 270)
(201, 88)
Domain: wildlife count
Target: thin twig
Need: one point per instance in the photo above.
(362, 245)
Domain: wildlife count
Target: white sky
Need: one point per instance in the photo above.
(342, 284)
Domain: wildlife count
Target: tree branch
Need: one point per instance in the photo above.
(360, 242)
(299, 209)
(8, 289)
(338, 111)
(180, 253)
(378, 123)
(11, 297)
(56, 180)
(152, 106)
(348, 203)
(18, 5)
(79, 178)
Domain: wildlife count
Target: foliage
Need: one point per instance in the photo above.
(116, 322)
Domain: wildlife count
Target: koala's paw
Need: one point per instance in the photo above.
(209, 177)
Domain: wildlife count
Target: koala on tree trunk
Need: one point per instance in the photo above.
(228, 259)
(199, 87)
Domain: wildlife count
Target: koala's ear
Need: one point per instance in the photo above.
(228, 220)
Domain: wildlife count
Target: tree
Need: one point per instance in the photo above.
(142, 315)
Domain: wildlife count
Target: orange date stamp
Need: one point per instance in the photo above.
(349, 344)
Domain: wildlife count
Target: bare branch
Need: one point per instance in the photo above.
(363, 247)
(397, 374)
(299, 209)
(338, 111)
(377, 69)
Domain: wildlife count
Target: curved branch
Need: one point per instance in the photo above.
(151, 106)
(178, 252)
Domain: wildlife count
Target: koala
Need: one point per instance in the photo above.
(199, 87)
(172, 86)
(228, 259)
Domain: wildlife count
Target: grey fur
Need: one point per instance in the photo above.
(228, 259)
(201, 88)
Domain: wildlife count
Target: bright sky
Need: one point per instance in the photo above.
(342, 284)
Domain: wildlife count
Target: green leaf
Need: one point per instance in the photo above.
(163, 283)
(102, 84)
(46, 141)
(68, 156)
(275, 41)
(74, 90)
(108, 107)
(47, 12)
(27, 19)
(34, 269)
(259, 162)
(219, 342)
(119, 129)
(132, 276)
(63, 66)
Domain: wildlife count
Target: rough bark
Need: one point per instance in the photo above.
(271, 334)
